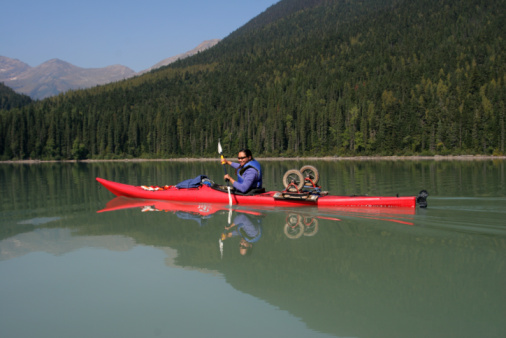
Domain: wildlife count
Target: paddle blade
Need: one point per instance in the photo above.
(220, 151)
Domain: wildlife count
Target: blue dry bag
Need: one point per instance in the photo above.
(191, 183)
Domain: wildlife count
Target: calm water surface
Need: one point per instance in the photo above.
(72, 267)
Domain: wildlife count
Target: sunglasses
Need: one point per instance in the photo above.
(242, 158)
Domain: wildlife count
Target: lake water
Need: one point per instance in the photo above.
(68, 270)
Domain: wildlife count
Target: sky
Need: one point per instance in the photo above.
(101, 33)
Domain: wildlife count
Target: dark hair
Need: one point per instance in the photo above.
(247, 152)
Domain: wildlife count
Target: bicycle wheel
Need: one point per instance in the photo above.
(293, 176)
(310, 172)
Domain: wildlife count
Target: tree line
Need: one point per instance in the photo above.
(9, 99)
(328, 78)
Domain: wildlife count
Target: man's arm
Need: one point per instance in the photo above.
(249, 177)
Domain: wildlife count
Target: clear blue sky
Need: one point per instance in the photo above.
(100, 33)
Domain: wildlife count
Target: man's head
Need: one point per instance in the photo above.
(244, 247)
(244, 156)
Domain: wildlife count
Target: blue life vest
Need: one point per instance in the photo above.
(249, 230)
(250, 238)
(255, 165)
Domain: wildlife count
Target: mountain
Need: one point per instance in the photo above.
(203, 46)
(56, 76)
(304, 78)
(10, 68)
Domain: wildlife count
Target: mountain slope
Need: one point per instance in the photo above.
(201, 47)
(10, 68)
(328, 77)
(9, 99)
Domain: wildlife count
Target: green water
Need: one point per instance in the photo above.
(67, 270)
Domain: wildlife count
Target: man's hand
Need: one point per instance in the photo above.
(228, 178)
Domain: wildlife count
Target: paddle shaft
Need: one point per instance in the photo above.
(224, 168)
(220, 151)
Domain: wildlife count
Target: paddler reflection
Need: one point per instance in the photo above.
(248, 230)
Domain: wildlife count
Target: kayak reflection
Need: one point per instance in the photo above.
(198, 212)
(296, 225)
(247, 229)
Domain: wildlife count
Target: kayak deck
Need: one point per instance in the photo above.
(207, 194)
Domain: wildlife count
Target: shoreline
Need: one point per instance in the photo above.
(324, 158)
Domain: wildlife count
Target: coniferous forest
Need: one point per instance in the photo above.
(304, 78)
(9, 99)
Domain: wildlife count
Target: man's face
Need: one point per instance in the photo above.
(242, 158)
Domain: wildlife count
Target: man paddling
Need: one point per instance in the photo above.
(248, 170)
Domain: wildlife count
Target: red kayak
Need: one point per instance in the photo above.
(219, 194)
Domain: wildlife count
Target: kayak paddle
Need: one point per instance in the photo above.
(220, 151)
